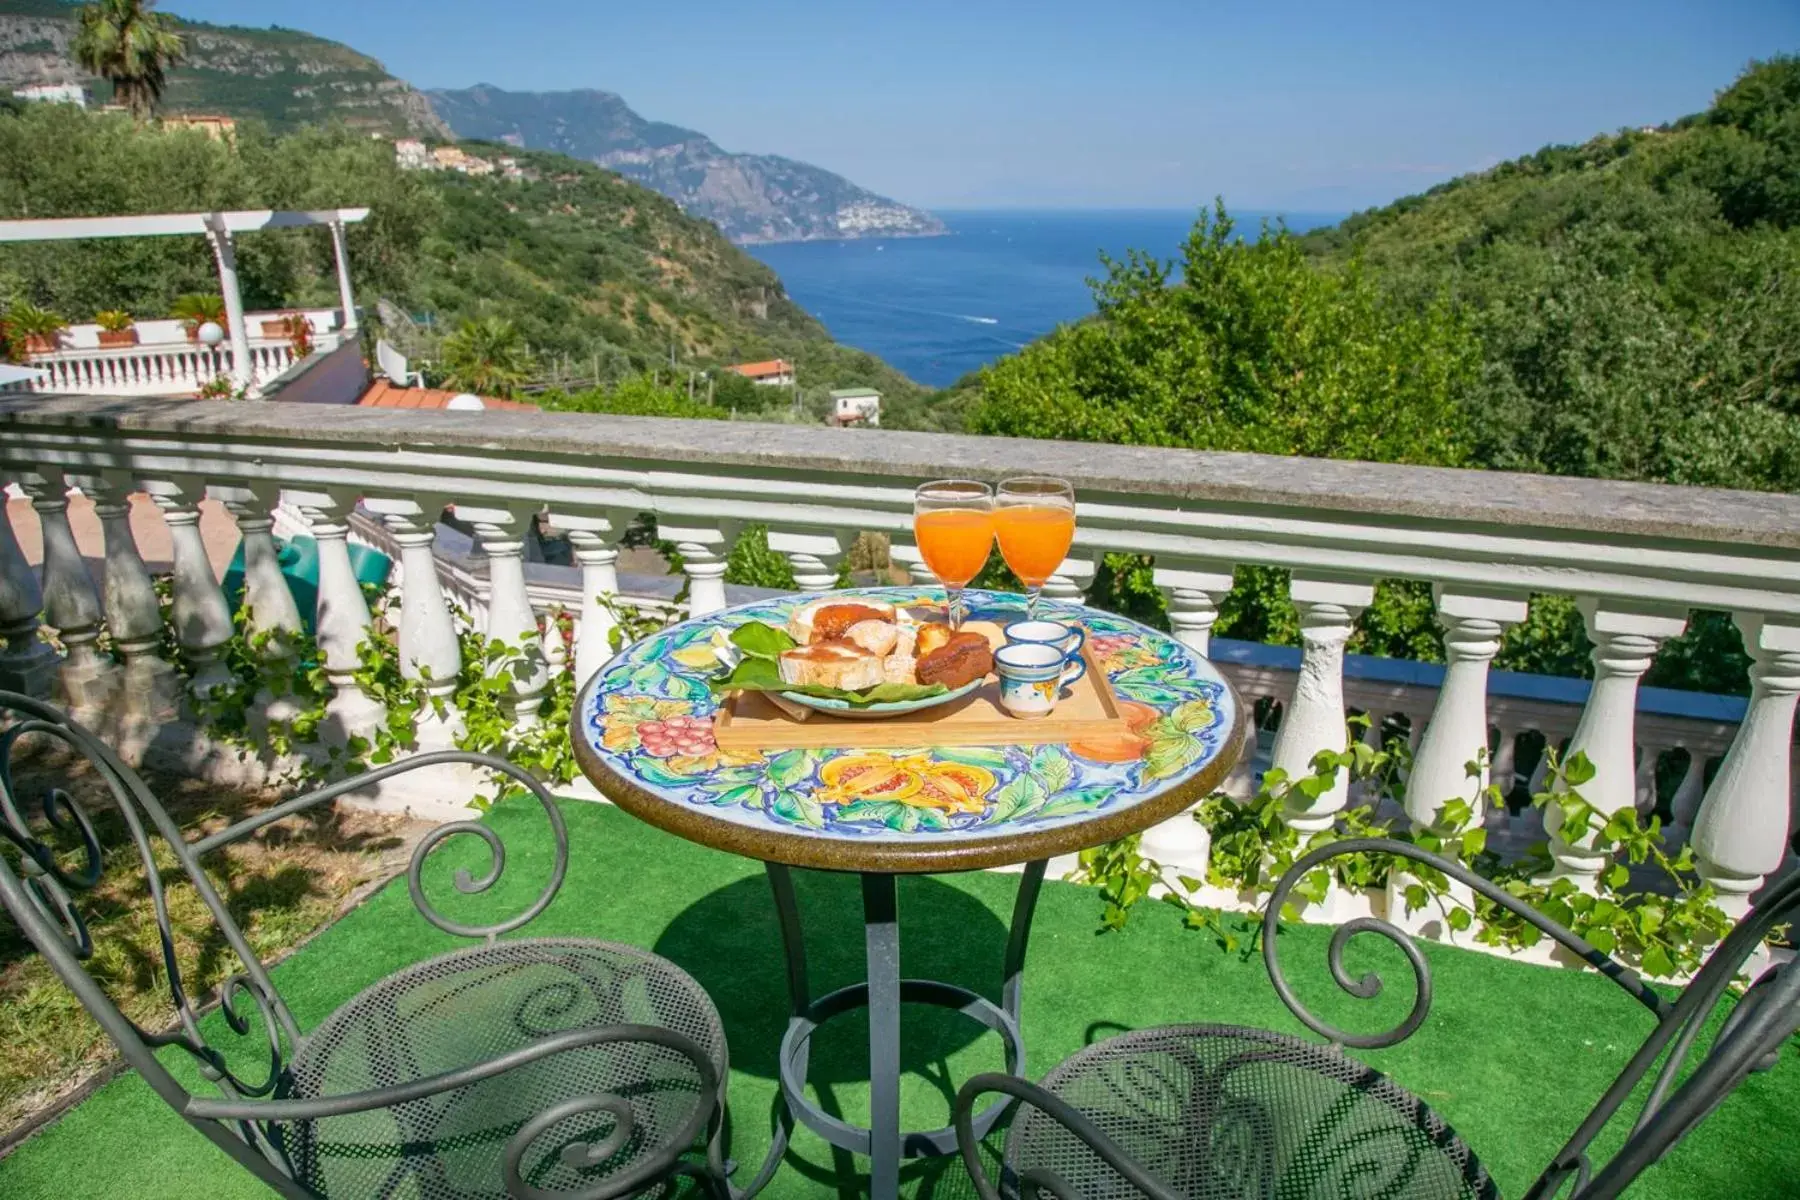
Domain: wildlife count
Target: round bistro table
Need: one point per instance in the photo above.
(643, 735)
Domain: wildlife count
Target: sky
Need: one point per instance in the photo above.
(1306, 106)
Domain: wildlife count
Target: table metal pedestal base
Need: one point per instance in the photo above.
(884, 1142)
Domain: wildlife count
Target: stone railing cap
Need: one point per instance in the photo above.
(1380, 489)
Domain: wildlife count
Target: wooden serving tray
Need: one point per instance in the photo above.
(1088, 711)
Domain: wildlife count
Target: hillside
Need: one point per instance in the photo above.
(281, 76)
(752, 197)
(591, 268)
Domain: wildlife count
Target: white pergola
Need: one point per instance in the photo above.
(217, 228)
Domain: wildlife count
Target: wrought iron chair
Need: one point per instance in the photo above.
(1217, 1112)
(534, 1068)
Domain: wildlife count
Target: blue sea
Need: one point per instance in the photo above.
(937, 308)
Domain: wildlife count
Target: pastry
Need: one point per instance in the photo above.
(962, 658)
(930, 637)
(831, 664)
(877, 637)
(826, 619)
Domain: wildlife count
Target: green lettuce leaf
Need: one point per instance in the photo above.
(755, 674)
(759, 640)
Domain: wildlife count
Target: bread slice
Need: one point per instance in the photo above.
(831, 664)
(877, 637)
(815, 621)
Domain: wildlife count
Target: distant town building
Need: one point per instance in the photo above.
(455, 158)
(53, 93)
(777, 372)
(856, 406)
(510, 168)
(410, 155)
(218, 128)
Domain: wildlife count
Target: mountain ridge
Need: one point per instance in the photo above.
(285, 77)
(754, 198)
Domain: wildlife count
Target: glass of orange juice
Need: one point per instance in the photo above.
(1034, 516)
(953, 523)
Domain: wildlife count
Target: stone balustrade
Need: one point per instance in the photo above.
(1638, 558)
(165, 361)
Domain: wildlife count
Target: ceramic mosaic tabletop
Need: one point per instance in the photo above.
(643, 735)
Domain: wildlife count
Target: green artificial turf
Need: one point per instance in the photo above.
(1512, 1055)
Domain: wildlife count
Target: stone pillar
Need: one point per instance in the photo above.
(1625, 642)
(71, 602)
(1457, 733)
(1194, 594)
(429, 651)
(342, 622)
(1504, 771)
(814, 557)
(268, 600)
(149, 690)
(27, 665)
(1314, 720)
(599, 559)
(511, 620)
(1741, 832)
(201, 615)
(1644, 795)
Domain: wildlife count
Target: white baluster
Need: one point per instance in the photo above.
(813, 555)
(702, 560)
(202, 617)
(342, 621)
(1457, 732)
(1684, 806)
(149, 689)
(1314, 719)
(269, 601)
(1194, 593)
(1182, 842)
(1644, 793)
(1741, 832)
(429, 651)
(27, 665)
(1072, 580)
(511, 620)
(599, 559)
(1625, 642)
(71, 602)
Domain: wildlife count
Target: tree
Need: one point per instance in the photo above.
(487, 356)
(124, 42)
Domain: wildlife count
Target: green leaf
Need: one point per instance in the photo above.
(1171, 752)
(754, 674)
(1022, 795)
(1416, 897)
(1051, 765)
(1459, 919)
(746, 794)
(1193, 717)
(790, 767)
(1657, 961)
(762, 641)
(1578, 769)
(1617, 876)
(1080, 800)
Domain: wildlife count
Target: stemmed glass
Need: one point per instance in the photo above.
(1034, 516)
(953, 524)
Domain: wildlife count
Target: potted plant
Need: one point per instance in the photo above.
(298, 331)
(39, 329)
(116, 328)
(197, 308)
(277, 325)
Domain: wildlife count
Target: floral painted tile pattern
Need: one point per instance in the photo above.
(649, 713)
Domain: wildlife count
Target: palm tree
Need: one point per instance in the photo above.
(486, 356)
(123, 41)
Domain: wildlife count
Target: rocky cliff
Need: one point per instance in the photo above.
(282, 76)
(752, 197)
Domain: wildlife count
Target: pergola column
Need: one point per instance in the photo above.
(341, 257)
(220, 238)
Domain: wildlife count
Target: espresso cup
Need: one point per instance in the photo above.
(1067, 638)
(1032, 676)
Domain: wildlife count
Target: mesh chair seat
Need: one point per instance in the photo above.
(473, 1005)
(1220, 1112)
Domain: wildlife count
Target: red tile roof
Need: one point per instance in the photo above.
(761, 370)
(382, 394)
